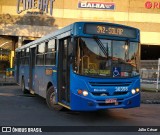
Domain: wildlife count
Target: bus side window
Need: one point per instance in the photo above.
(22, 56)
(27, 56)
(40, 54)
(50, 56)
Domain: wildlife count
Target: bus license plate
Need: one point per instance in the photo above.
(111, 101)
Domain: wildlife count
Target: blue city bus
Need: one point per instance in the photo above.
(86, 66)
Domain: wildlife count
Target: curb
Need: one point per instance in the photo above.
(151, 102)
(7, 84)
(150, 90)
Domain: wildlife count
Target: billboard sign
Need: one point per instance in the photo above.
(152, 5)
(96, 5)
(43, 5)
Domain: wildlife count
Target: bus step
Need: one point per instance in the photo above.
(32, 92)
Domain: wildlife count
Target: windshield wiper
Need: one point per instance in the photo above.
(100, 44)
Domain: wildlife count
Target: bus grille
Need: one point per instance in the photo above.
(108, 94)
(102, 84)
(110, 104)
(120, 93)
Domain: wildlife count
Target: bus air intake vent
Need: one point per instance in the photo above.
(102, 84)
(108, 94)
(120, 93)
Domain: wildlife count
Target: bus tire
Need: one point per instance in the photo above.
(24, 90)
(51, 99)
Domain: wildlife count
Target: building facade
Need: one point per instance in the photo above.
(22, 21)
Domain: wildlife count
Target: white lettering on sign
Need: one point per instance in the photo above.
(43, 5)
(96, 5)
(100, 90)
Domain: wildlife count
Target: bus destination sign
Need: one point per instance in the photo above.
(110, 30)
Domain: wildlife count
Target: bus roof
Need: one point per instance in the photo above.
(46, 37)
(66, 29)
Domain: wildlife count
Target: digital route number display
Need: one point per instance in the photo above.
(110, 30)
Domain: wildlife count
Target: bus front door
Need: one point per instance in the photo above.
(63, 72)
(32, 69)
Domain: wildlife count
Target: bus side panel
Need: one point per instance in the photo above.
(42, 78)
(24, 73)
(38, 79)
(26, 76)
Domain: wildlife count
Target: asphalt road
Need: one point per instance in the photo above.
(17, 109)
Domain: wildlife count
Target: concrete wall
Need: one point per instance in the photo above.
(128, 12)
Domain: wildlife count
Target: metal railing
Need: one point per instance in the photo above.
(149, 79)
(149, 72)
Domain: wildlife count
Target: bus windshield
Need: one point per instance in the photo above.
(108, 58)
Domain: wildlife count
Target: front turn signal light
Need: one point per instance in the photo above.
(137, 89)
(80, 92)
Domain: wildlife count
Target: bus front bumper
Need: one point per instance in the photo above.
(81, 103)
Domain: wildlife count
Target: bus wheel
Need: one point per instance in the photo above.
(51, 100)
(24, 90)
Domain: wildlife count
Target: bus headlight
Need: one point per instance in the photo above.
(133, 91)
(85, 93)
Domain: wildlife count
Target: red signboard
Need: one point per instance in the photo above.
(152, 5)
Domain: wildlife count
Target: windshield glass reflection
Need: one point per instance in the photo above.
(108, 58)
